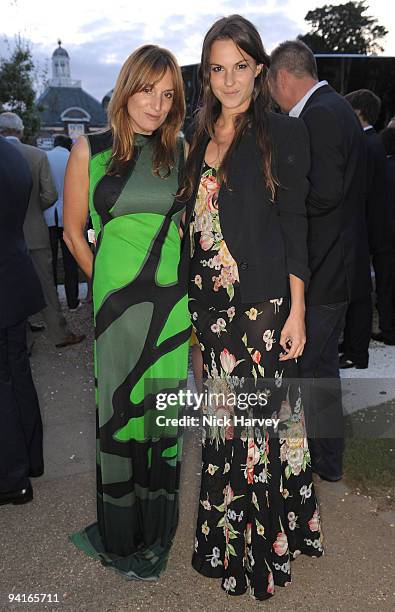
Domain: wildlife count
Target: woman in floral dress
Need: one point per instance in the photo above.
(246, 231)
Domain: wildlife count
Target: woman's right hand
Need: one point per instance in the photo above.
(293, 336)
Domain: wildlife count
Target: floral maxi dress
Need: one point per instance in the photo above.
(257, 506)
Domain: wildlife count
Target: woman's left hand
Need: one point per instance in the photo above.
(293, 337)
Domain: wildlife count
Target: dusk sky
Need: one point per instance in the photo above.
(99, 35)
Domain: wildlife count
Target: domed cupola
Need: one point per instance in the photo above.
(61, 74)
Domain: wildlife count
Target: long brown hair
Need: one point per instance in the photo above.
(246, 37)
(145, 66)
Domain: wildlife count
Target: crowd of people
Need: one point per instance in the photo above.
(259, 229)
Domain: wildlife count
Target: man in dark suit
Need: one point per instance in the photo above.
(21, 452)
(388, 138)
(36, 232)
(337, 237)
(355, 346)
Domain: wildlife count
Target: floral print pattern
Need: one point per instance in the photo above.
(257, 507)
(214, 254)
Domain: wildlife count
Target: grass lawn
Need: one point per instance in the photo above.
(369, 461)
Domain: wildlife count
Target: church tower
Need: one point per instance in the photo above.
(64, 107)
(61, 75)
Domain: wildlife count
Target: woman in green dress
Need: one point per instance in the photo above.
(127, 177)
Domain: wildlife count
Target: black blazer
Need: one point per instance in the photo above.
(377, 199)
(337, 238)
(268, 240)
(390, 172)
(20, 289)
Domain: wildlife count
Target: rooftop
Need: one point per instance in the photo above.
(81, 106)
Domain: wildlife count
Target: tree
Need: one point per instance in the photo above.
(16, 88)
(343, 29)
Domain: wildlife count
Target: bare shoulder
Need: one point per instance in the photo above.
(80, 150)
(78, 161)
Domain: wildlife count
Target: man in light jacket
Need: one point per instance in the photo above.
(58, 158)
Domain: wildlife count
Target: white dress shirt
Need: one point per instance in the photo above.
(297, 109)
(57, 158)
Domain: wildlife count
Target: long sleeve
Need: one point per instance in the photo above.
(48, 193)
(377, 197)
(326, 174)
(293, 163)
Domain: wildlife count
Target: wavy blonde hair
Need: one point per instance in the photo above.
(145, 66)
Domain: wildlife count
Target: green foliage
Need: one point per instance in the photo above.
(16, 88)
(343, 29)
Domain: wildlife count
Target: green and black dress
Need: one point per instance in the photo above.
(142, 330)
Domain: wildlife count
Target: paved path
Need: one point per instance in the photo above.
(36, 556)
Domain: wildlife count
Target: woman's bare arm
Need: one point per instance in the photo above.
(75, 205)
